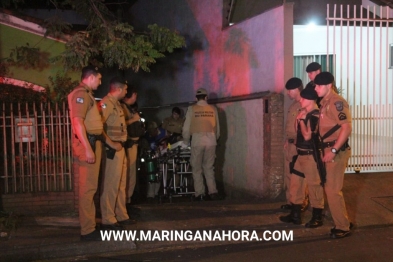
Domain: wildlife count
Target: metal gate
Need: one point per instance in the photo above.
(359, 39)
(36, 149)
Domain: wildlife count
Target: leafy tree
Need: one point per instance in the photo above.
(106, 40)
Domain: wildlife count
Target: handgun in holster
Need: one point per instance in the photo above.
(93, 139)
(111, 152)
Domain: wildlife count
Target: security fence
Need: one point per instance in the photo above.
(360, 38)
(36, 149)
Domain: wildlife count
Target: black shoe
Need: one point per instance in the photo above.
(290, 219)
(337, 233)
(314, 223)
(93, 236)
(127, 222)
(286, 206)
(200, 198)
(351, 225)
(115, 226)
(215, 196)
(316, 220)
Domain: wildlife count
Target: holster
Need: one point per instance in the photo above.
(130, 143)
(111, 152)
(93, 139)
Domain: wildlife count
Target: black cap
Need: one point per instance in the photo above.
(293, 83)
(309, 93)
(314, 66)
(324, 78)
(118, 80)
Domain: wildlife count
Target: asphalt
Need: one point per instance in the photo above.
(369, 200)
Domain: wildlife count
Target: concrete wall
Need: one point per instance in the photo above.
(250, 57)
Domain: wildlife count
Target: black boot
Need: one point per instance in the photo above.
(316, 220)
(294, 216)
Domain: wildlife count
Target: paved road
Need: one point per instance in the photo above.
(365, 244)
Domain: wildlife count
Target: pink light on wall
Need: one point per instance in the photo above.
(223, 65)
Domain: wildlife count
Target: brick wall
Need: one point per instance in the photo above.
(38, 203)
(273, 145)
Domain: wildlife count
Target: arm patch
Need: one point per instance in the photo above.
(339, 105)
(342, 116)
(79, 100)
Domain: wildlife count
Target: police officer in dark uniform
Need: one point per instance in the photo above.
(308, 153)
(313, 69)
(335, 127)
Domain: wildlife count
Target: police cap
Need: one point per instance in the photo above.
(324, 78)
(201, 91)
(309, 93)
(293, 83)
(314, 66)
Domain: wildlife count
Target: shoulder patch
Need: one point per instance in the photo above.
(339, 105)
(79, 100)
(342, 116)
(103, 105)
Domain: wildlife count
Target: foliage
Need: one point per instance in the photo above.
(15, 94)
(106, 41)
(61, 86)
(28, 57)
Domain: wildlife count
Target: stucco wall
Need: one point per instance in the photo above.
(11, 37)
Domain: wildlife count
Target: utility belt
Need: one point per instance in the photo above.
(305, 152)
(130, 143)
(92, 139)
(331, 144)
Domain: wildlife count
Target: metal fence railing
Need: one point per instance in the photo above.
(36, 149)
(359, 38)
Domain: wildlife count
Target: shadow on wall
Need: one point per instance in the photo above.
(220, 151)
(231, 160)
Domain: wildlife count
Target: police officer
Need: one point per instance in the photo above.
(87, 148)
(313, 69)
(132, 118)
(173, 125)
(335, 127)
(113, 196)
(298, 191)
(307, 150)
(202, 124)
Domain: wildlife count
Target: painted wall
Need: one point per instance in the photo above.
(11, 37)
(249, 57)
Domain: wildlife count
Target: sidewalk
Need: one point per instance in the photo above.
(369, 201)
